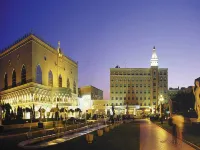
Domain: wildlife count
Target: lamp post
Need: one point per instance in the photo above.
(161, 99)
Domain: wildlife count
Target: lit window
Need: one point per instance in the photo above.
(39, 75)
(50, 83)
(23, 75)
(13, 78)
(60, 81)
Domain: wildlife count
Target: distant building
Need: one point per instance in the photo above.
(139, 86)
(88, 94)
(95, 93)
(172, 92)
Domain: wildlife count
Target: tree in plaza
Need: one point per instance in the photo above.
(78, 110)
(33, 111)
(57, 112)
(113, 109)
(7, 109)
(113, 114)
(183, 101)
(12, 115)
(19, 113)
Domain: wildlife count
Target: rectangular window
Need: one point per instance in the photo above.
(124, 98)
(128, 98)
(132, 98)
(116, 98)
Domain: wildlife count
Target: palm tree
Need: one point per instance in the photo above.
(7, 108)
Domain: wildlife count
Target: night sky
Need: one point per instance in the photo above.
(101, 34)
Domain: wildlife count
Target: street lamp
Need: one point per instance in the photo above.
(161, 99)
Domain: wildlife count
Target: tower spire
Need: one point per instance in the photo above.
(59, 50)
(154, 58)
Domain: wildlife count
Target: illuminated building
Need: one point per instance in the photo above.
(139, 86)
(33, 72)
(87, 96)
(95, 93)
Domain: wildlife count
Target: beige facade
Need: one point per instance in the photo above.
(139, 86)
(95, 93)
(33, 72)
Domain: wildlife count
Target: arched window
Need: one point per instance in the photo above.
(39, 74)
(23, 75)
(68, 83)
(74, 88)
(50, 78)
(5, 81)
(60, 81)
(13, 78)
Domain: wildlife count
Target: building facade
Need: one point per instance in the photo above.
(95, 93)
(139, 86)
(87, 96)
(35, 73)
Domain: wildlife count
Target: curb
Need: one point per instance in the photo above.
(187, 142)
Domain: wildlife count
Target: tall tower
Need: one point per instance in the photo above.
(154, 79)
(154, 58)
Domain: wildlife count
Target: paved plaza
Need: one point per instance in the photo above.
(141, 134)
(152, 137)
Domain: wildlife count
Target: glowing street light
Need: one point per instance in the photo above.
(161, 99)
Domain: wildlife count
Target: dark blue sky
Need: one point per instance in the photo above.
(101, 34)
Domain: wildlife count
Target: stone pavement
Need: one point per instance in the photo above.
(153, 137)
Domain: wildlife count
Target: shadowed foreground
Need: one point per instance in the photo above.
(125, 136)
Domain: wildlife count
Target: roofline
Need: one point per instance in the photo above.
(90, 86)
(27, 37)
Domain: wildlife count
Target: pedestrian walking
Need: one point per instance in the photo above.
(174, 134)
(178, 120)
